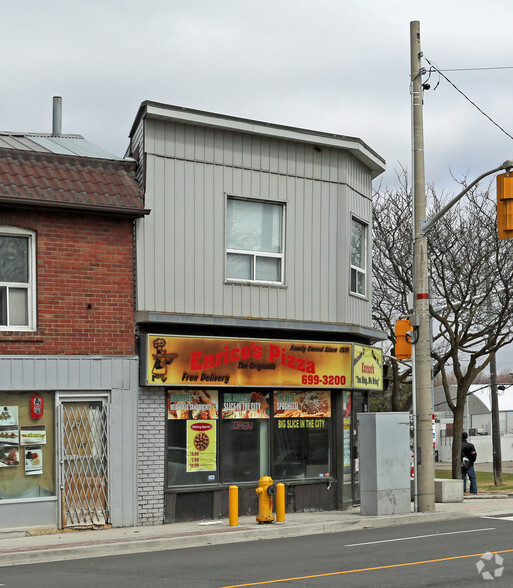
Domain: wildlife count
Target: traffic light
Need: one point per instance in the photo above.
(505, 206)
(402, 341)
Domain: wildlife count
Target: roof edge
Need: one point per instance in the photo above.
(191, 116)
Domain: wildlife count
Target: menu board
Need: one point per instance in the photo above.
(201, 446)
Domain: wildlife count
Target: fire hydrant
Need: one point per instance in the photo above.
(266, 490)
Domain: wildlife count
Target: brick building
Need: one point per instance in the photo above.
(68, 368)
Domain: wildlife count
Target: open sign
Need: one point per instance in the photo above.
(242, 425)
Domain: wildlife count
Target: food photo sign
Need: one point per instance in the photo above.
(33, 460)
(201, 446)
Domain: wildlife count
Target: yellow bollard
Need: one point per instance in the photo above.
(280, 503)
(233, 506)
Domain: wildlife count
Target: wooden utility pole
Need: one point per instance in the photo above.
(425, 465)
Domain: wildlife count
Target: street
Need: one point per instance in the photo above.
(428, 554)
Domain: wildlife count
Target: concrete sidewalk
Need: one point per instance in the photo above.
(121, 541)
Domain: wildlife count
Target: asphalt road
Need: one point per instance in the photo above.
(429, 554)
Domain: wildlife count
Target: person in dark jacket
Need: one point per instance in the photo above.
(468, 451)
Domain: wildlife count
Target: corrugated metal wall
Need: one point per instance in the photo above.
(51, 372)
(181, 245)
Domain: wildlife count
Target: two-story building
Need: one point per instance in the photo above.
(68, 364)
(253, 305)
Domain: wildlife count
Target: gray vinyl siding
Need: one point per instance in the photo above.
(189, 172)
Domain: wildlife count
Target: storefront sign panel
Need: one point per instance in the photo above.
(368, 367)
(245, 405)
(194, 361)
(290, 404)
(192, 404)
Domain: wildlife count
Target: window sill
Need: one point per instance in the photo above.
(359, 296)
(229, 282)
(224, 485)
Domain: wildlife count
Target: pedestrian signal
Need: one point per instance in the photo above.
(505, 206)
(402, 339)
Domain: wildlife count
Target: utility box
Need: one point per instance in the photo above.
(384, 451)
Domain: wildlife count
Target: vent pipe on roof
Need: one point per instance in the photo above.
(57, 116)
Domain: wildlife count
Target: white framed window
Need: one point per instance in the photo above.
(254, 241)
(358, 258)
(17, 279)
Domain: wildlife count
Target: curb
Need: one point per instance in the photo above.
(115, 546)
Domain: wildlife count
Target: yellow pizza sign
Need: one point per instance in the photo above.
(368, 367)
(212, 362)
(201, 446)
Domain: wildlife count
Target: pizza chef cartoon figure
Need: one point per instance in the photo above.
(161, 360)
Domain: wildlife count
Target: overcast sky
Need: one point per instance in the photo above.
(339, 66)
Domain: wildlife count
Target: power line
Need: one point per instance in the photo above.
(475, 68)
(434, 68)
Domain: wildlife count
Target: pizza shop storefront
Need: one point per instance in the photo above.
(240, 409)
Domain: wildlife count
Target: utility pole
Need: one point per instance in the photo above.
(425, 466)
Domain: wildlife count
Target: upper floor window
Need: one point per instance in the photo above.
(17, 279)
(358, 258)
(254, 241)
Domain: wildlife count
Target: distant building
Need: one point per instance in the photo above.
(477, 420)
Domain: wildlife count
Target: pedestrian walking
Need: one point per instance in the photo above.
(468, 458)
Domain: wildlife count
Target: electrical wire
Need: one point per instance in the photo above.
(476, 68)
(434, 68)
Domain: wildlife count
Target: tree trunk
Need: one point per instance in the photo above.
(496, 427)
(456, 440)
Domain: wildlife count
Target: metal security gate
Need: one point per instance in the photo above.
(84, 462)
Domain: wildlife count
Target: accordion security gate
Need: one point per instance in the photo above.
(84, 463)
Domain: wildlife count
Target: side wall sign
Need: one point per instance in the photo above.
(368, 367)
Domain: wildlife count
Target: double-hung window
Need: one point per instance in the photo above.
(17, 279)
(358, 258)
(254, 241)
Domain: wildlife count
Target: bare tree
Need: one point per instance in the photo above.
(392, 277)
(471, 287)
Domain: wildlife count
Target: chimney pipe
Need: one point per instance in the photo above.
(57, 116)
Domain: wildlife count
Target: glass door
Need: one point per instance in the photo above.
(359, 404)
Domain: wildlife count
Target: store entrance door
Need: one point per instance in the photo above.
(359, 404)
(84, 462)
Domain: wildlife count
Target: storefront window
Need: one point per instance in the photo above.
(301, 435)
(192, 437)
(27, 448)
(246, 444)
(244, 436)
(228, 437)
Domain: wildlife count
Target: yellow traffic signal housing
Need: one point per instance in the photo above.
(403, 344)
(505, 206)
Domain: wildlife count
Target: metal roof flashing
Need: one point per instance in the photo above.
(355, 146)
(58, 144)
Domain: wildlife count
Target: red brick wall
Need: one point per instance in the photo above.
(84, 285)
